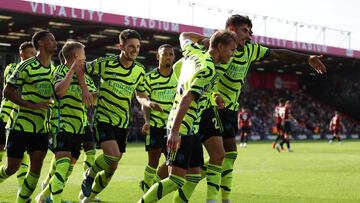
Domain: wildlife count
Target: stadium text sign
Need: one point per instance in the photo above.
(62, 11)
(151, 24)
(84, 14)
(290, 44)
(39, 8)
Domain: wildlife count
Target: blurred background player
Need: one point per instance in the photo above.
(286, 118)
(335, 127)
(244, 120)
(277, 120)
(160, 86)
(26, 50)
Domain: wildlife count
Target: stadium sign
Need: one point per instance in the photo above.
(290, 44)
(62, 11)
(151, 24)
(97, 16)
(56, 11)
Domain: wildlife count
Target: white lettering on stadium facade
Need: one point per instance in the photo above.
(151, 24)
(290, 44)
(70, 13)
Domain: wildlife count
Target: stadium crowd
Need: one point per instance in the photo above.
(313, 115)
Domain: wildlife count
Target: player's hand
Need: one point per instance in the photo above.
(145, 129)
(87, 98)
(173, 142)
(77, 65)
(155, 106)
(315, 62)
(219, 101)
(206, 42)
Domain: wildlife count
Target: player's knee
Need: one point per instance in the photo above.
(218, 157)
(221, 155)
(154, 156)
(113, 162)
(36, 167)
(154, 162)
(113, 153)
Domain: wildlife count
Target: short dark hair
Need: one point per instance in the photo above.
(37, 37)
(70, 47)
(128, 34)
(281, 101)
(222, 37)
(165, 46)
(238, 20)
(25, 45)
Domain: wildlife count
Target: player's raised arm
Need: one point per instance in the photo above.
(194, 37)
(290, 56)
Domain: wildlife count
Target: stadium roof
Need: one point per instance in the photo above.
(99, 32)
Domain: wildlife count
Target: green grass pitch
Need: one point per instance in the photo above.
(316, 172)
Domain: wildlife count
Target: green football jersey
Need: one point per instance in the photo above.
(177, 68)
(69, 112)
(116, 91)
(230, 84)
(160, 89)
(198, 75)
(7, 106)
(33, 80)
